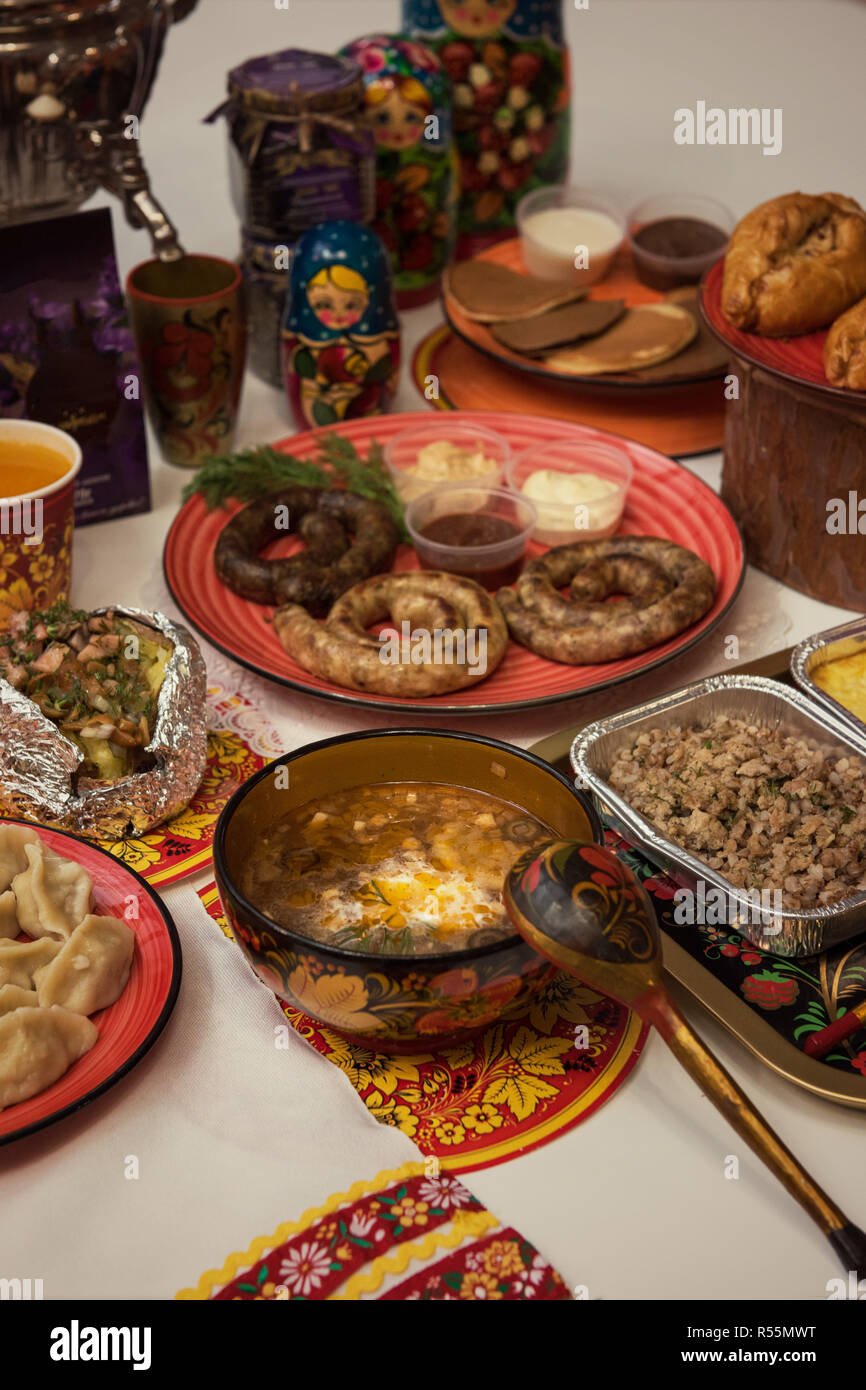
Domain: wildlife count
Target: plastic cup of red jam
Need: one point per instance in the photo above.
(473, 530)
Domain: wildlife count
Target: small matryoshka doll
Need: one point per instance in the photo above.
(341, 337)
(408, 108)
(509, 65)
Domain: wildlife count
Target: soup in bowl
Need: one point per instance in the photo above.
(362, 876)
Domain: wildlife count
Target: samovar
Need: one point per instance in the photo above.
(75, 76)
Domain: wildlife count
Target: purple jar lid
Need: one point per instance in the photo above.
(294, 78)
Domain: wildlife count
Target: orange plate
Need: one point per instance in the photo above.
(675, 421)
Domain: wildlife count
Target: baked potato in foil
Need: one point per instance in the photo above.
(103, 722)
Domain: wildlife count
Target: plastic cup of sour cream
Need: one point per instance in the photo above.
(579, 488)
(569, 234)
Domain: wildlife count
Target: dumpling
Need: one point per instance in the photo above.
(53, 894)
(9, 927)
(14, 997)
(19, 960)
(13, 860)
(91, 969)
(37, 1046)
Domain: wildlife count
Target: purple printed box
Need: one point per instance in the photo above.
(67, 355)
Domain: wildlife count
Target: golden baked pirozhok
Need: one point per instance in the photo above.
(794, 264)
(845, 349)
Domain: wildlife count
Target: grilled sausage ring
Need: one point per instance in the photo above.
(668, 589)
(328, 566)
(458, 635)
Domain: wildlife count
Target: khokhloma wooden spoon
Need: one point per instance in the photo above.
(583, 909)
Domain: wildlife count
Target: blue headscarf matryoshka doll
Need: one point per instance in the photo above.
(408, 104)
(341, 336)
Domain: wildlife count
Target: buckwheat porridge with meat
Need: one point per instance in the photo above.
(766, 809)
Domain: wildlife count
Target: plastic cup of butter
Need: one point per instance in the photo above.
(579, 488)
(443, 452)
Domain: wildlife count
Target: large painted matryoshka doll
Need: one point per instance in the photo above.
(341, 336)
(408, 108)
(509, 65)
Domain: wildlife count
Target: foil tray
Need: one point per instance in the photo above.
(816, 651)
(39, 766)
(760, 701)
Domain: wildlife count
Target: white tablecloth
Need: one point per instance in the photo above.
(234, 1136)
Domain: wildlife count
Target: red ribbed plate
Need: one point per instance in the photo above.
(665, 500)
(799, 359)
(131, 1026)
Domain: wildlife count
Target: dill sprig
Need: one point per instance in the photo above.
(250, 473)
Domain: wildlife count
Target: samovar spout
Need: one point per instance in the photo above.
(120, 168)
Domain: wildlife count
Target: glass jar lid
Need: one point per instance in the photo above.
(295, 81)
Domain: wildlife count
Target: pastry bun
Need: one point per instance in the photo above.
(794, 264)
(845, 349)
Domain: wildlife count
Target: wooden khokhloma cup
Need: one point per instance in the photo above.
(190, 327)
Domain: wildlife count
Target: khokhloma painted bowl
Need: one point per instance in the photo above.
(392, 1003)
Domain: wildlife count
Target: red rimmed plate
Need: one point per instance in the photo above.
(130, 1027)
(799, 359)
(665, 500)
(620, 283)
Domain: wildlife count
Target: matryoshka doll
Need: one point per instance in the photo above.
(408, 108)
(509, 65)
(341, 337)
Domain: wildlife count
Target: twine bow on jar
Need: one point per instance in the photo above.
(258, 122)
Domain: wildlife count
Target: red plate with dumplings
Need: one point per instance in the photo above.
(130, 1027)
(799, 359)
(665, 500)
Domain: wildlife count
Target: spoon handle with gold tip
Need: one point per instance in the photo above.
(849, 1242)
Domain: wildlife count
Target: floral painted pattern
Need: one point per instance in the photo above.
(195, 365)
(504, 1268)
(35, 576)
(796, 997)
(447, 1246)
(512, 1086)
(511, 109)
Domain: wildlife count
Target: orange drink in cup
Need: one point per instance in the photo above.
(38, 467)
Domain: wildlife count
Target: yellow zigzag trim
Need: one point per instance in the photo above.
(218, 1278)
(368, 1280)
